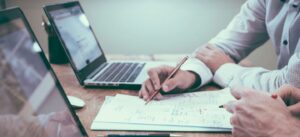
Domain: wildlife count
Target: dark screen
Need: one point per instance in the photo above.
(75, 31)
(30, 102)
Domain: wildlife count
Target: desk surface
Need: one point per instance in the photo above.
(95, 97)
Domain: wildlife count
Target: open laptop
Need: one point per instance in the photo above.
(85, 54)
(32, 101)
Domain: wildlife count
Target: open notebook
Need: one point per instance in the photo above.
(198, 111)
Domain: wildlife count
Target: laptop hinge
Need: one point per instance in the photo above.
(103, 65)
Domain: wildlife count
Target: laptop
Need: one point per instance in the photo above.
(32, 101)
(85, 54)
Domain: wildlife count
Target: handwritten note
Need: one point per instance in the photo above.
(189, 109)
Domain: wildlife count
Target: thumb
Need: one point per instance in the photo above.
(290, 94)
(169, 85)
(284, 92)
(230, 106)
(295, 109)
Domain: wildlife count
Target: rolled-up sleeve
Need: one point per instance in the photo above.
(245, 32)
(259, 78)
(199, 68)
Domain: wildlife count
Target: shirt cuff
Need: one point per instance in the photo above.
(225, 74)
(199, 68)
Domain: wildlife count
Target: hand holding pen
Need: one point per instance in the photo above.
(181, 81)
(169, 76)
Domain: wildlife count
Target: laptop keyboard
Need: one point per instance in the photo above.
(121, 72)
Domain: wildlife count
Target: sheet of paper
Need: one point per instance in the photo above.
(191, 109)
(97, 125)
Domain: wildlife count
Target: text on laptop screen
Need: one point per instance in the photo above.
(30, 102)
(76, 34)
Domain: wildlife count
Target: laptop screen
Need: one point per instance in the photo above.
(31, 100)
(74, 29)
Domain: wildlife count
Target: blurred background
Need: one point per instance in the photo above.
(150, 26)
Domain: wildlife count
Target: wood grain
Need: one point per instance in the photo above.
(95, 97)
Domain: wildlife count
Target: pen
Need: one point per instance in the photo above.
(174, 71)
(140, 135)
(274, 96)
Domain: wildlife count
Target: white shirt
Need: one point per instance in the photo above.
(257, 22)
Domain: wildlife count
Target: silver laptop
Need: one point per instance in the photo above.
(32, 101)
(85, 54)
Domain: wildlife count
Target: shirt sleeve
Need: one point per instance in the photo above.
(246, 31)
(259, 78)
(199, 68)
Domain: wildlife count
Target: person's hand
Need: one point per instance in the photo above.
(255, 113)
(291, 97)
(181, 81)
(212, 57)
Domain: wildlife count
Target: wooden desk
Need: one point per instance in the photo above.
(95, 97)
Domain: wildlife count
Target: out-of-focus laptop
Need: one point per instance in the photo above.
(32, 101)
(85, 54)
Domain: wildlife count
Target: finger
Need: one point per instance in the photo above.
(154, 76)
(295, 109)
(239, 92)
(166, 70)
(170, 85)
(151, 91)
(206, 50)
(230, 106)
(144, 93)
(159, 97)
(203, 50)
(289, 94)
(295, 97)
(202, 57)
(234, 120)
(236, 92)
(143, 90)
(284, 92)
(211, 47)
(149, 88)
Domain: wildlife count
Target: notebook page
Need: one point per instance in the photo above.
(190, 109)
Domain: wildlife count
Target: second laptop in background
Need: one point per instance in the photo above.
(85, 54)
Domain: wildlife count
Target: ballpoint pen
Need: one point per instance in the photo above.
(174, 71)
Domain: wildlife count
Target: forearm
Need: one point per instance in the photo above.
(246, 31)
(255, 77)
(259, 78)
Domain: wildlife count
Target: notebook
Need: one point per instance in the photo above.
(198, 111)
